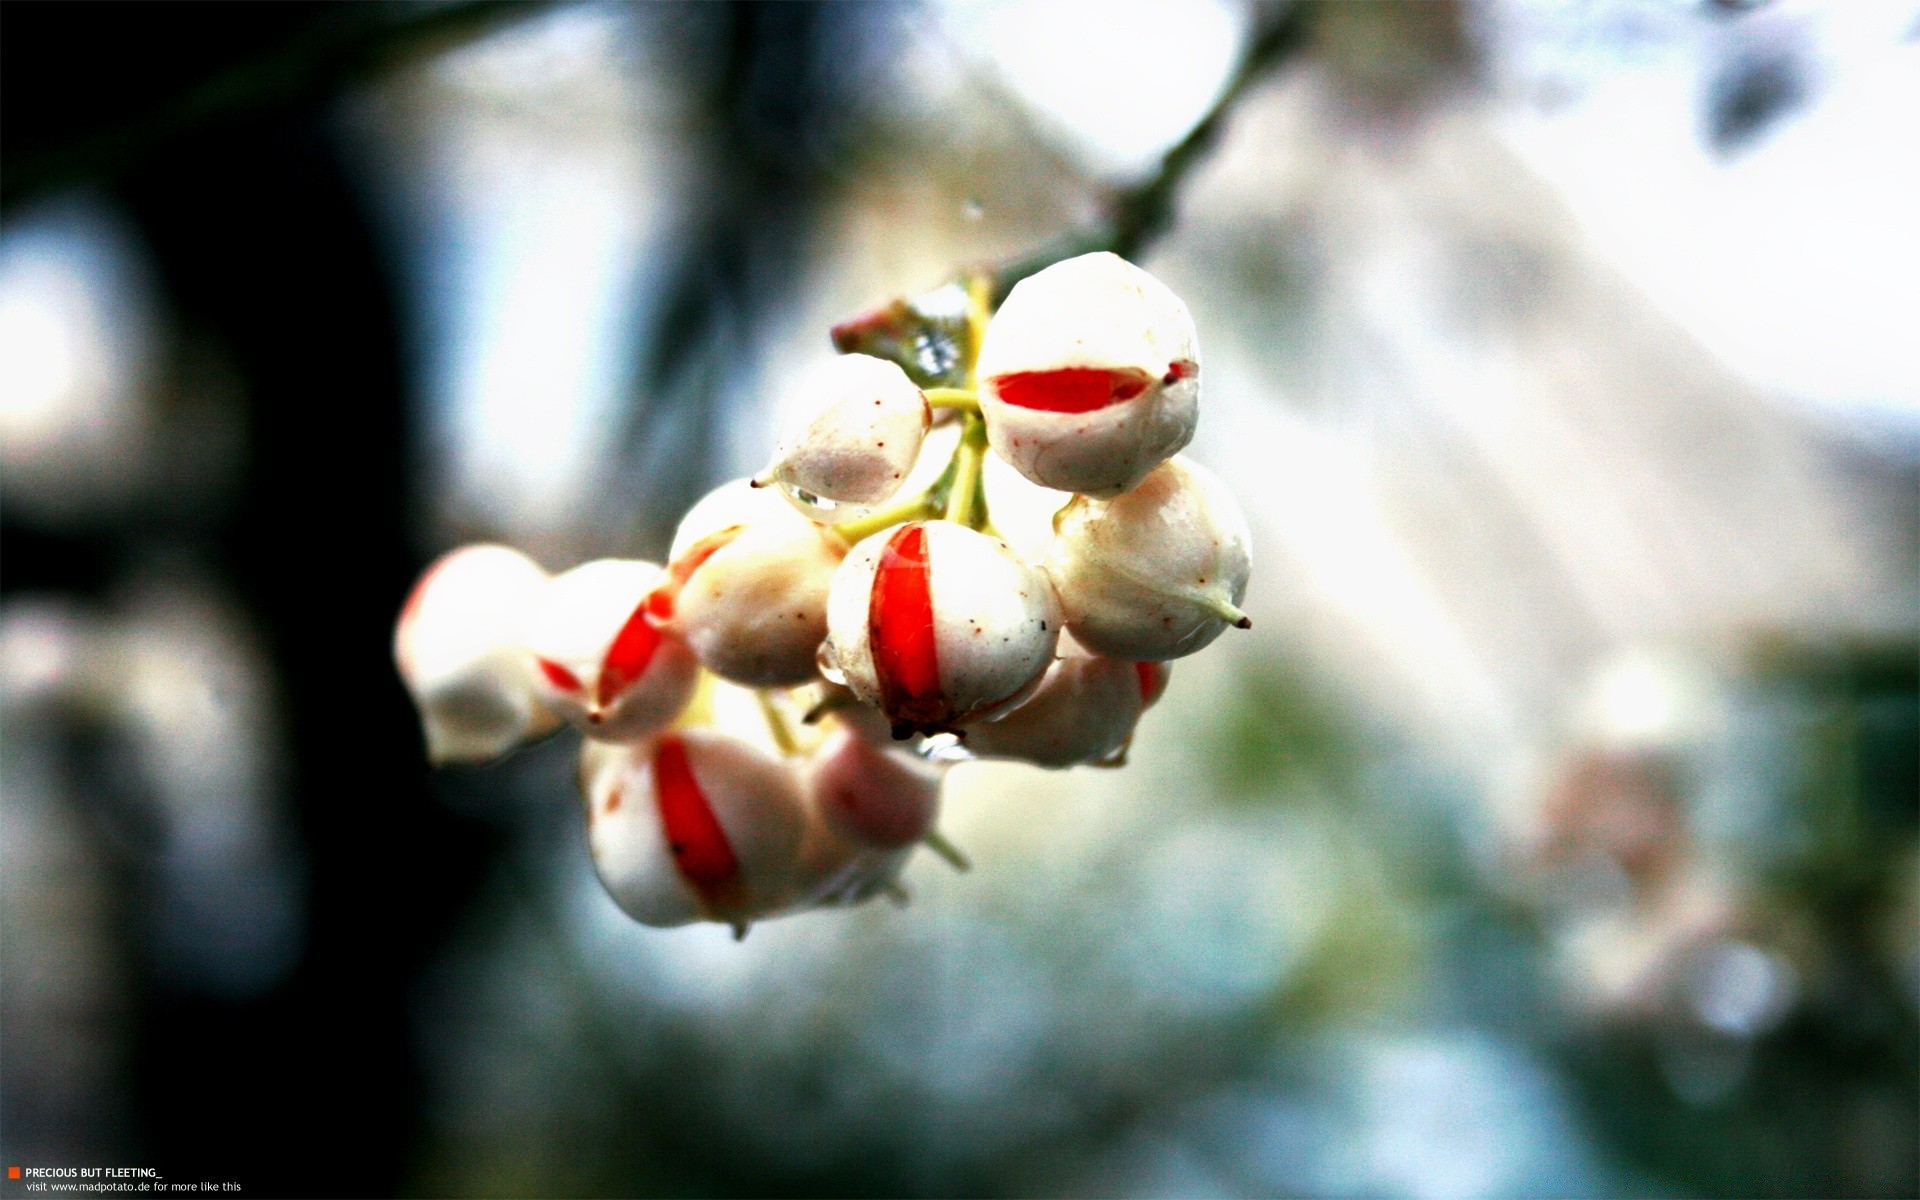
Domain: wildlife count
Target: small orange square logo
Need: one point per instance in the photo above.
(13, 1172)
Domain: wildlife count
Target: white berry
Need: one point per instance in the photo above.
(1157, 572)
(878, 797)
(734, 503)
(1090, 376)
(867, 808)
(457, 646)
(751, 600)
(936, 624)
(862, 424)
(693, 825)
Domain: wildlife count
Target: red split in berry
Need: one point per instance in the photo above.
(900, 631)
(1072, 389)
(627, 658)
(1153, 681)
(699, 845)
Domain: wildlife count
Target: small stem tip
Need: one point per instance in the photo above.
(937, 842)
(1226, 610)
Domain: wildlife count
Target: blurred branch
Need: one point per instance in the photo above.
(343, 44)
(1141, 213)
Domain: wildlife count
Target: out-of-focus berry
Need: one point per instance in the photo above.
(1090, 376)
(867, 808)
(875, 796)
(1157, 572)
(936, 624)
(863, 424)
(1084, 711)
(457, 645)
(693, 825)
(599, 662)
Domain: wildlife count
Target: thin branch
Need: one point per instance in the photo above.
(1141, 213)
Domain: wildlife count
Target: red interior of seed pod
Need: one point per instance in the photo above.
(1071, 389)
(627, 658)
(698, 843)
(900, 630)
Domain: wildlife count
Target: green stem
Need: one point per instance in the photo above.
(776, 723)
(965, 505)
(930, 503)
(963, 399)
(925, 505)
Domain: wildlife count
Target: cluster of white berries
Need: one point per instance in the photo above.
(767, 716)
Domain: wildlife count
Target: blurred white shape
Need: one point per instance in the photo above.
(1312, 497)
(1645, 699)
(1124, 80)
(78, 351)
(38, 345)
(194, 699)
(1740, 990)
(45, 645)
(1628, 962)
(1475, 459)
(534, 187)
(1794, 262)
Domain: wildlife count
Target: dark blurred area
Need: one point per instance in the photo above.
(1556, 834)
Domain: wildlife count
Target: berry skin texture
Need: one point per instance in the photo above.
(864, 423)
(751, 600)
(693, 825)
(457, 646)
(936, 624)
(1084, 711)
(1156, 573)
(598, 662)
(1090, 376)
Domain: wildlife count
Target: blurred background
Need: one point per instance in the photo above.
(1552, 833)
